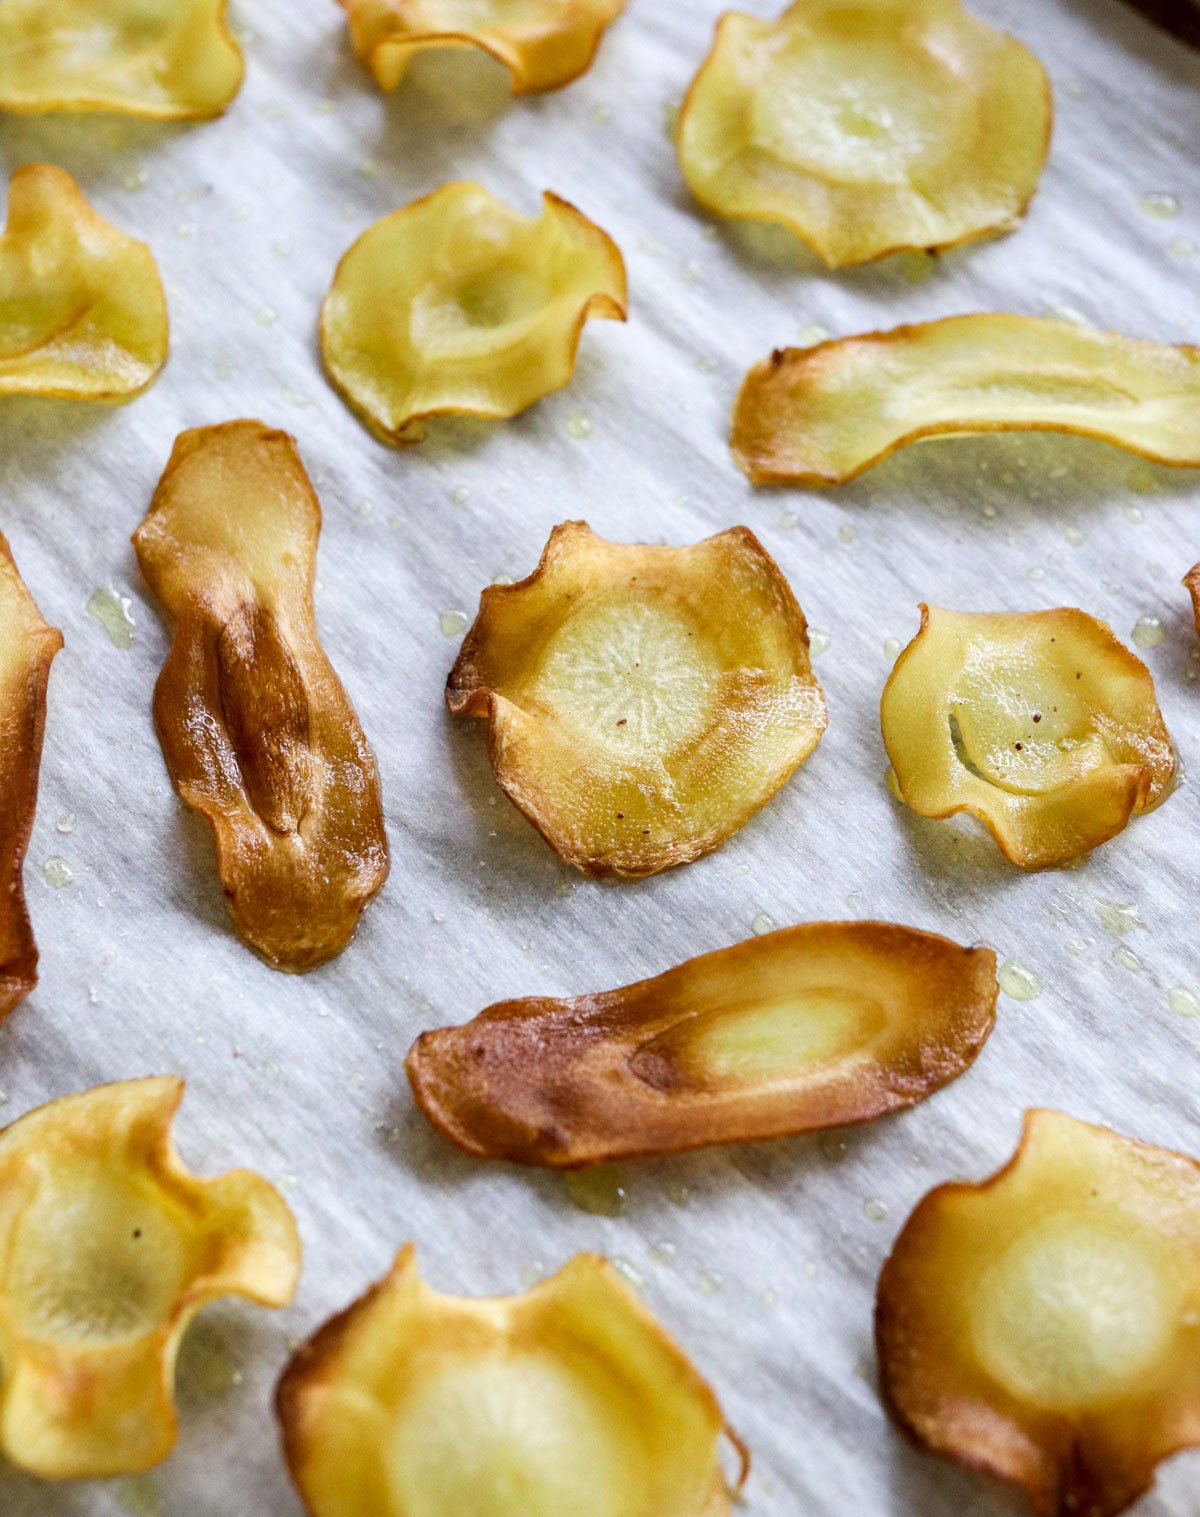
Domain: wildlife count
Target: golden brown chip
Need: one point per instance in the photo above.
(82, 310)
(1039, 723)
(569, 1399)
(27, 649)
(543, 44)
(642, 702)
(1192, 582)
(1044, 1326)
(825, 414)
(810, 1027)
(256, 729)
(167, 59)
(456, 305)
(108, 1249)
(867, 126)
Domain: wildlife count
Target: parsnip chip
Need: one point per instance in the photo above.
(642, 702)
(810, 1027)
(27, 649)
(1044, 1326)
(825, 414)
(166, 59)
(256, 729)
(82, 310)
(867, 126)
(1039, 723)
(1191, 582)
(108, 1249)
(543, 44)
(569, 1399)
(457, 305)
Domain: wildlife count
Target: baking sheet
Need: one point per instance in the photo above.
(761, 1259)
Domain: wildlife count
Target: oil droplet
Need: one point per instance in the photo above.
(810, 1269)
(671, 109)
(1149, 632)
(66, 823)
(112, 610)
(1142, 481)
(809, 336)
(364, 508)
(1127, 959)
(599, 1189)
(325, 107)
(1134, 514)
(1183, 1002)
(530, 1274)
(461, 495)
(185, 229)
(282, 249)
(1181, 248)
(266, 316)
(629, 1273)
(875, 1210)
(762, 924)
(135, 179)
(502, 579)
(818, 642)
(601, 113)
(1037, 575)
(769, 1298)
(892, 647)
(366, 168)
(846, 535)
(140, 1496)
(787, 522)
(57, 872)
(397, 523)
(854, 901)
(709, 1282)
(1017, 981)
(1076, 948)
(706, 365)
(452, 623)
(1119, 917)
(1069, 313)
(1074, 536)
(678, 1194)
(297, 398)
(662, 1253)
(1160, 204)
(578, 425)
(210, 1366)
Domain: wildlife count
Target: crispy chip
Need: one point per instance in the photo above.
(256, 729)
(1191, 582)
(27, 649)
(822, 415)
(810, 1027)
(867, 126)
(1044, 1326)
(543, 44)
(1039, 723)
(167, 59)
(82, 310)
(108, 1249)
(456, 305)
(567, 1401)
(642, 702)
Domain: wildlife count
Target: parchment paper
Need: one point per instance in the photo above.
(771, 1281)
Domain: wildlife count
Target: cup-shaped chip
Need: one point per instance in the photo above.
(1044, 1326)
(543, 44)
(27, 649)
(1039, 723)
(257, 731)
(166, 59)
(568, 1399)
(810, 1027)
(108, 1249)
(824, 414)
(867, 126)
(642, 702)
(82, 310)
(457, 305)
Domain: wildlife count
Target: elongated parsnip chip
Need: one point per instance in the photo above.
(27, 649)
(456, 305)
(822, 415)
(642, 702)
(867, 126)
(569, 1399)
(810, 1027)
(167, 59)
(543, 44)
(1040, 723)
(1044, 1326)
(82, 310)
(108, 1249)
(258, 734)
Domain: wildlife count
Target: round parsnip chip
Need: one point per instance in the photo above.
(867, 126)
(108, 1249)
(167, 59)
(822, 415)
(82, 310)
(1044, 1326)
(810, 1027)
(543, 44)
(642, 702)
(457, 305)
(1039, 723)
(569, 1399)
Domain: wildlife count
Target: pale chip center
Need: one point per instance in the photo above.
(745, 1044)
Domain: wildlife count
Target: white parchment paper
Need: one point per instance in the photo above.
(762, 1260)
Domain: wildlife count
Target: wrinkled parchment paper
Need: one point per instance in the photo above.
(762, 1260)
